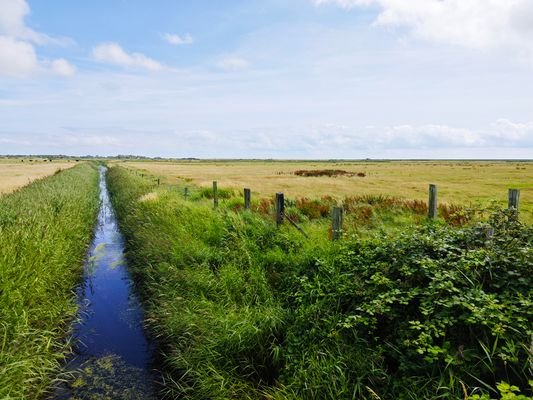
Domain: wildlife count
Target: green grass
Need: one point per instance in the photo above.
(45, 229)
(401, 308)
(210, 306)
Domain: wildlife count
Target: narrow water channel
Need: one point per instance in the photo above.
(113, 358)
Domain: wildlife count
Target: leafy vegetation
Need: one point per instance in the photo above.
(44, 231)
(245, 310)
(415, 316)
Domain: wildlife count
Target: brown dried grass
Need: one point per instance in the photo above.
(15, 174)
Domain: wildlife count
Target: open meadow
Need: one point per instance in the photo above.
(459, 182)
(15, 173)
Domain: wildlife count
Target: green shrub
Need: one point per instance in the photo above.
(425, 312)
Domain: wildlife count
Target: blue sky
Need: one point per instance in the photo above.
(268, 79)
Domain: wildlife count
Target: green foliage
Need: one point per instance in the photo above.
(44, 232)
(438, 307)
(506, 392)
(207, 193)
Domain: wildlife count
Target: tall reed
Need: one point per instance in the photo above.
(45, 229)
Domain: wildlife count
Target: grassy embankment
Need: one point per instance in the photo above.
(244, 310)
(45, 229)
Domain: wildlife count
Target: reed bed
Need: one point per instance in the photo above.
(45, 229)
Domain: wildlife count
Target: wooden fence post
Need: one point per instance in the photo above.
(280, 208)
(514, 198)
(186, 193)
(158, 181)
(432, 204)
(215, 194)
(337, 222)
(489, 232)
(247, 198)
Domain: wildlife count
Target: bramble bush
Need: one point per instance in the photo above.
(417, 316)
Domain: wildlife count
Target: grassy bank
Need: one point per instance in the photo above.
(245, 310)
(45, 229)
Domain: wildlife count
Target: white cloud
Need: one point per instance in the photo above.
(114, 54)
(90, 140)
(503, 133)
(345, 3)
(174, 39)
(513, 132)
(341, 141)
(15, 141)
(233, 63)
(430, 135)
(12, 16)
(17, 52)
(17, 58)
(12, 24)
(62, 67)
(480, 24)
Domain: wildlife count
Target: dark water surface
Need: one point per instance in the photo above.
(113, 358)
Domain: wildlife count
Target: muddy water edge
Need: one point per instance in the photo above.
(113, 358)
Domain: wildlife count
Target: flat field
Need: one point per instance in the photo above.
(15, 174)
(460, 182)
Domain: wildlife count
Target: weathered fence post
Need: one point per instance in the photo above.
(489, 232)
(280, 208)
(215, 194)
(186, 193)
(247, 198)
(514, 198)
(158, 181)
(432, 204)
(337, 222)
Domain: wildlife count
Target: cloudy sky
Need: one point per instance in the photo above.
(268, 78)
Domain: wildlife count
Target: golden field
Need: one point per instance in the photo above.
(461, 182)
(15, 174)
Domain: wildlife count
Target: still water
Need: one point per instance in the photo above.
(113, 358)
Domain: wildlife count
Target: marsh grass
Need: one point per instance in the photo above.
(459, 182)
(45, 229)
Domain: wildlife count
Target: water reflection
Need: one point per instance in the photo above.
(113, 357)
